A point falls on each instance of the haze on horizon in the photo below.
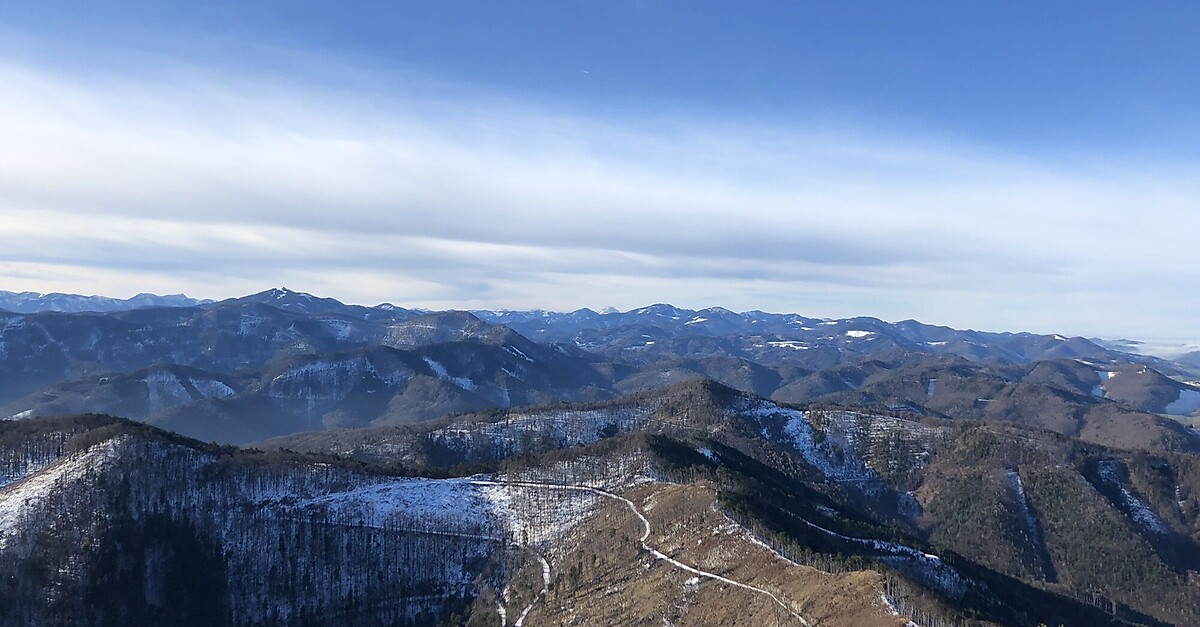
(1016, 167)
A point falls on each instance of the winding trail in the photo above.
(645, 536)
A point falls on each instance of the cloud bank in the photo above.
(451, 197)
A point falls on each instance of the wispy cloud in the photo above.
(217, 184)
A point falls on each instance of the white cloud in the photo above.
(218, 185)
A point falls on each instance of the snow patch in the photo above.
(534, 515)
(566, 428)
(165, 391)
(516, 352)
(319, 380)
(437, 368)
(798, 432)
(1104, 375)
(453, 506)
(927, 567)
(19, 500)
(930, 387)
(211, 388)
(1019, 488)
(440, 370)
(853, 333)
(1139, 510)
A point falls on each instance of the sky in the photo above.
(998, 166)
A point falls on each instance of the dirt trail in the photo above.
(646, 547)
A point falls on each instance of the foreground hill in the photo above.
(1031, 511)
(129, 525)
(695, 504)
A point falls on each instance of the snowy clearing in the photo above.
(17, 501)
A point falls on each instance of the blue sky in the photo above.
(999, 166)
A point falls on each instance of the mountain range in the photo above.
(282, 458)
(280, 362)
(33, 302)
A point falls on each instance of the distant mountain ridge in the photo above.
(279, 362)
(35, 302)
(865, 334)
(771, 338)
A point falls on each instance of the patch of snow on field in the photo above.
(211, 388)
(165, 391)
(18, 500)
(437, 368)
(534, 515)
(1023, 503)
(564, 427)
(836, 465)
(837, 443)
(454, 506)
(319, 380)
(440, 370)
(853, 333)
(516, 352)
(1139, 510)
(1105, 375)
(929, 567)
